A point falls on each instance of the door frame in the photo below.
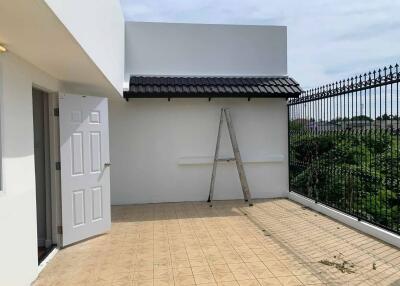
(55, 175)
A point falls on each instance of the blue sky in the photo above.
(327, 40)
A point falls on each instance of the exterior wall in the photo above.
(100, 31)
(162, 151)
(18, 239)
(193, 49)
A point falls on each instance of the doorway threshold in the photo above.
(46, 258)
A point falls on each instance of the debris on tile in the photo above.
(340, 264)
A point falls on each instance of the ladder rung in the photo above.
(226, 159)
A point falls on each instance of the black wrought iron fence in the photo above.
(344, 146)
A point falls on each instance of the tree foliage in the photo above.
(357, 172)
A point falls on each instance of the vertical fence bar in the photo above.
(397, 146)
(370, 140)
(288, 147)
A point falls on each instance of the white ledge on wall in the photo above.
(351, 221)
(208, 160)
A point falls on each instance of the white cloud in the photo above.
(327, 40)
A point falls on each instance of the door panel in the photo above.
(85, 174)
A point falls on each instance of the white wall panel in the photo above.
(18, 239)
(99, 28)
(193, 49)
(149, 138)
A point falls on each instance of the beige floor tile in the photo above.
(309, 279)
(221, 268)
(185, 280)
(261, 273)
(255, 265)
(300, 270)
(201, 269)
(249, 283)
(163, 273)
(230, 283)
(243, 274)
(143, 275)
(143, 267)
(289, 281)
(237, 266)
(164, 282)
(204, 278)
(180, 263)
(274, 263)
(270, 282)
(224, 276)
(182, 271)
(185, 243)
(120, 283)
(162, 262)
(280, 271)
(267, 257)
(198, 262)
(123, 276)
(143, 283)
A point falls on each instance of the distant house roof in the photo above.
(208, 87)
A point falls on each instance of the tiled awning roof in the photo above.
(208, 87)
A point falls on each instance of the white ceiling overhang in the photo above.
(31, 30)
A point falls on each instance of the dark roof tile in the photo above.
(172, 86)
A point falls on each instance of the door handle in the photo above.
(107, 165)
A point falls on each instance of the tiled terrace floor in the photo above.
(193, 244)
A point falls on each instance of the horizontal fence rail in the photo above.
(344, 146)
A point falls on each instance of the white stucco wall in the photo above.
(193, 49)
(99, 27)
(18, 240)
(162, 151)
(158, 148)
(151, 141)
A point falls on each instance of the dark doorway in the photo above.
(42, 172)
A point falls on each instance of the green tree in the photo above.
(362, 118)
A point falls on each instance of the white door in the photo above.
(85, 172)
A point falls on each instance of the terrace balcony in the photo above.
(275, 242)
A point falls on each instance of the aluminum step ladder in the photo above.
(238, 159)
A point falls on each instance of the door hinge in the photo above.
(58, 166)
(56, 112)
(60, 229)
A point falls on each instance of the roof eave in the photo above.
(132, 95)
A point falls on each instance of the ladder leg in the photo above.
(214, 170)
(238, 158)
